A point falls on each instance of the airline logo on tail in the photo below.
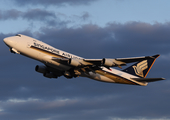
(140, 67)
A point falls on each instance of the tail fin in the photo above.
(141, 68)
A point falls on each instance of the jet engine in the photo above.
(13, 50)
(41, 69)
(108, 62)
(46, 73)
(74, 62)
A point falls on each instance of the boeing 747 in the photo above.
(59, 63)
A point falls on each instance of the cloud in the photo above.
(84, 16)
(49, 18)
(44, 17)
(53, 2)
(143, 37)
(31, 14)
(38, 14)
(10, 14)
(115, 103)
(26, 94)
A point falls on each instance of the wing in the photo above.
(136, 59)
(117, 62)
(86, 65)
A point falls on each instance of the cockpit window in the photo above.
(18, 35)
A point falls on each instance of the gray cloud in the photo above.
(48, 18)
(85, 16)
(38, 14)
(26, 94)
(10, 14)
(32, 14)
(53, 2)
(145, 38)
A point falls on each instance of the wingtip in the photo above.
(156, 56)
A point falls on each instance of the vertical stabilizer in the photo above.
(141, 68)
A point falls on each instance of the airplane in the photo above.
(60, 63)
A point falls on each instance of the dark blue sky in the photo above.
(27, 95)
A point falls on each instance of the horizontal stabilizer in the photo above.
(148, 79)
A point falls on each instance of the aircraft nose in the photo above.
(6, 40)
(9, 42)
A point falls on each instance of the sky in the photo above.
(90, 29)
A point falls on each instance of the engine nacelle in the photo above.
(41, 69)
(108, 62)
(13, 50)
(67, 74)
(74, 62)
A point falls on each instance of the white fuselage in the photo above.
(42, 52)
